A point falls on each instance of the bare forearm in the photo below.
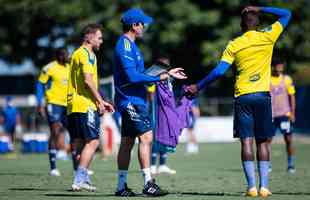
(293, 104)
(94, 91)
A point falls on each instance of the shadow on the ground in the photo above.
(207, 193)
(29, 189)
(20, 174)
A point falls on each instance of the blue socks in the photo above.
(75, 161)
(52, 158)
(290, 161)
(162, 158)
(153, 158)
(249, 171)
(263, 167)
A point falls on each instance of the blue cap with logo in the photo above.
(136, 15)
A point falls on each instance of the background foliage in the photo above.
(192, 33)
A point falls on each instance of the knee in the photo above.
(93, 143)
(146, 138)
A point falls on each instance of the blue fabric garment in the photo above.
(284, 14)
(39, 92)
(9, 113)
(171, 117)
(136, 15)
(217, 72)
(129, 77)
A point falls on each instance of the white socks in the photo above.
(146, 173)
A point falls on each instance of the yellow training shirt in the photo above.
(55, 78)
(80, 99)
(276, 80)
(252, 53)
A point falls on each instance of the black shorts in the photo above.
(283, 124)
(252, 116)
(84, 126)
(135, 121)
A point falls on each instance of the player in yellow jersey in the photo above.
(251, 52)
(85, 104)
(52, 82)
(283, 108)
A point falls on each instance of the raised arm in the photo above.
(284, 14)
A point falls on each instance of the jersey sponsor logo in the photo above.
(127, 45)
(254, 78)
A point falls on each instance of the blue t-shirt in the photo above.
(130, 80)
(9, 114)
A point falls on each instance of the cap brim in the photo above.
(147, 19)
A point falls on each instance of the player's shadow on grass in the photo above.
(236, 194)
(207, 194)
(292, 193)
(20, 174)
(79, 195)
(29, 189)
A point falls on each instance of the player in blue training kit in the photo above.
(130, 99)
(10, 119)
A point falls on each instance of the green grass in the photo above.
(213, 174)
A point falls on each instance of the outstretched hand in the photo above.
(250, 8)
(177, 73)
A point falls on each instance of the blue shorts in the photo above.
(252, 116)
(84, 126)
(9, 128)
(56, 113)
(135, 121)
(283, 124)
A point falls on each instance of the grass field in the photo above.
(215, 173)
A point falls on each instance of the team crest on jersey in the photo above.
(127, 45)
(254, 77)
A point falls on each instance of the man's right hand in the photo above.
(104, 106)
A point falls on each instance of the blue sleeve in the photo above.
(217, 72)
(137, 77)
(284, 14)
(39, 92)
(129, 65)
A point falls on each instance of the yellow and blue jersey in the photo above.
(80, 99)
(55, 78)
(252, 53)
